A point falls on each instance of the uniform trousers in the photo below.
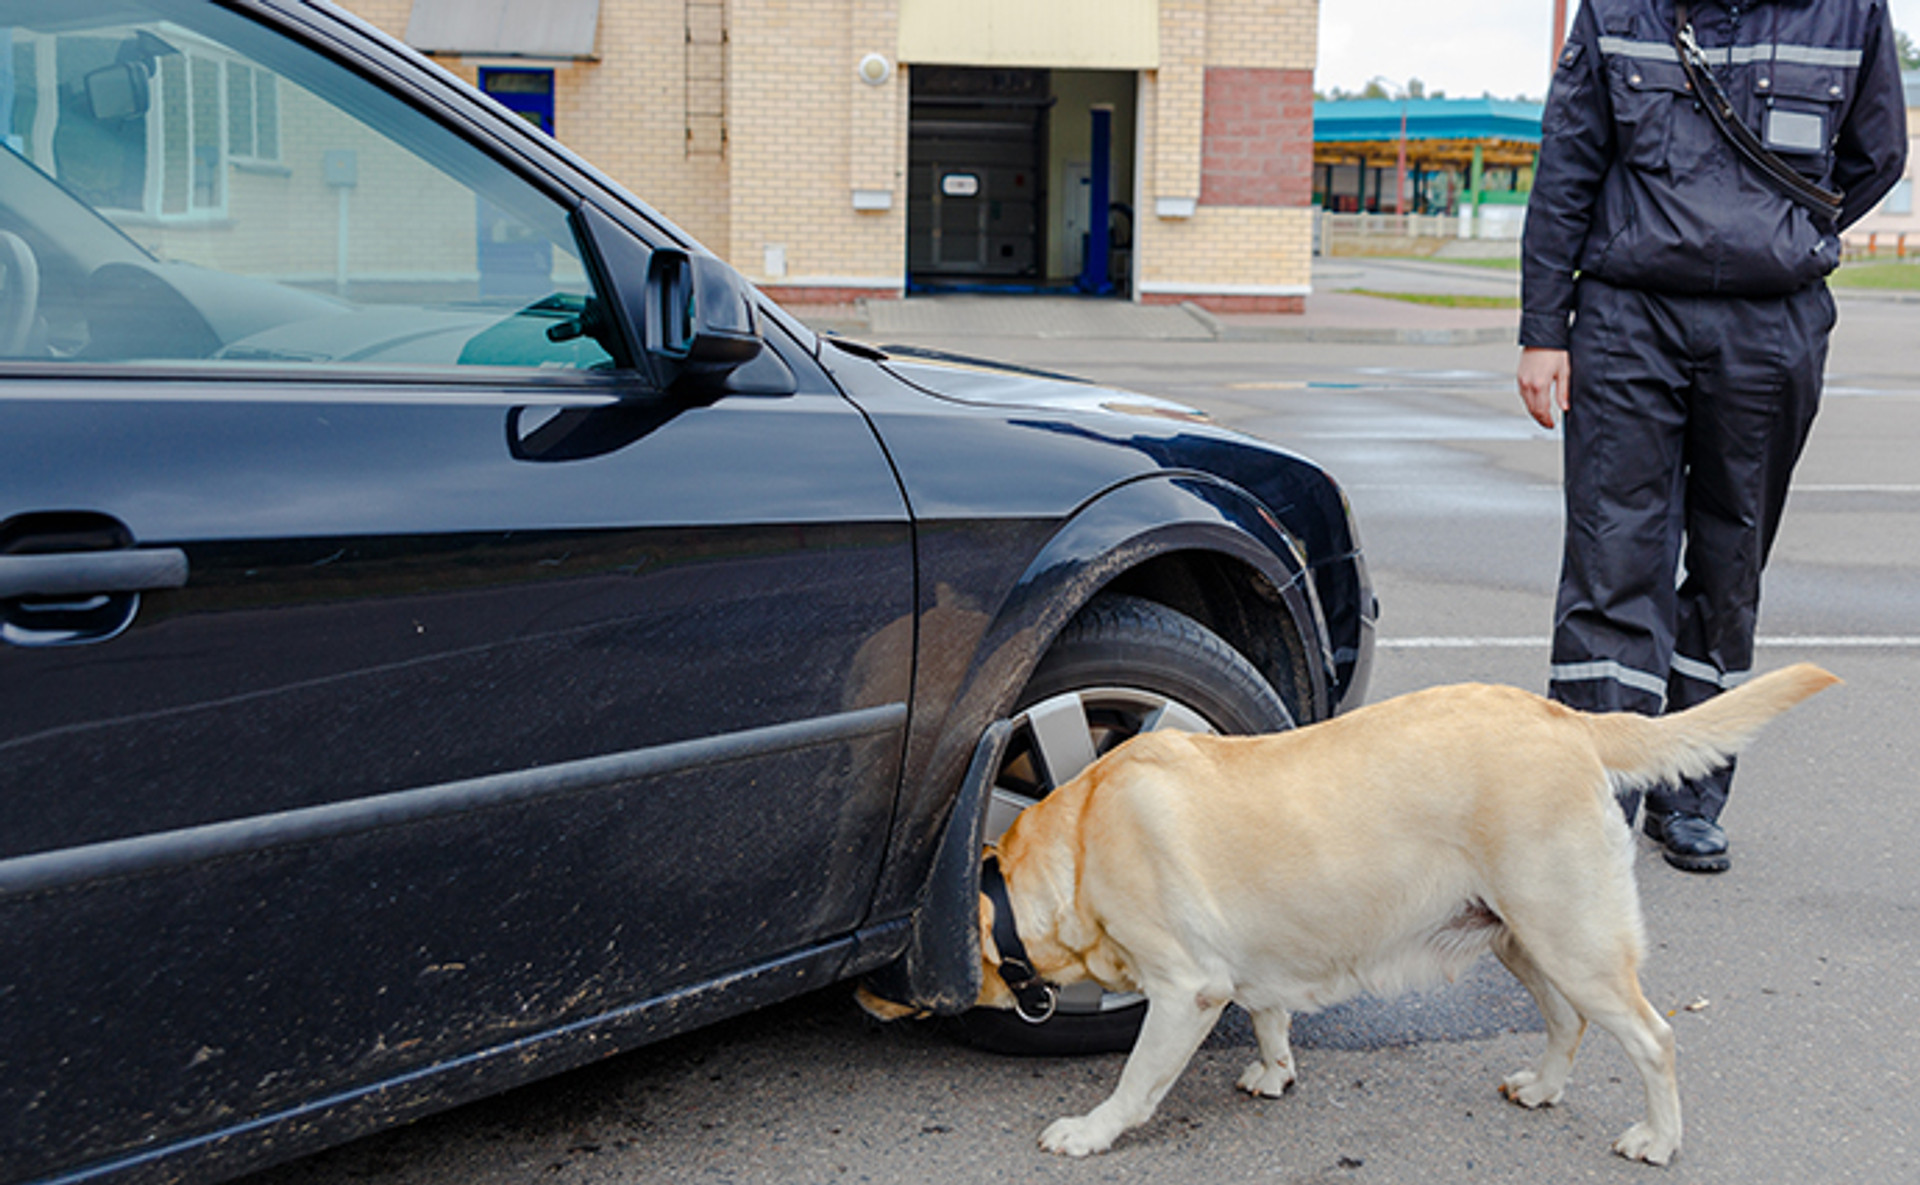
(1687, 416)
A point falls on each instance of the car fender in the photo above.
(1157, 515)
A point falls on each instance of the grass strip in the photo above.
(1885, 275)
(1444, 300)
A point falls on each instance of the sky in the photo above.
(1463, 47)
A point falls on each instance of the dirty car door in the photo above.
(349, 724)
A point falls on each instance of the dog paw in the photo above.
(1531, 1091)
(1262, 1080)
(1077, 1137)
(1642, 1142)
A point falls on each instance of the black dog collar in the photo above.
(1034, 998)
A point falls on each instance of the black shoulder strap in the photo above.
(1720, 111)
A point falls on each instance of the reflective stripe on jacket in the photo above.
(1637, 187)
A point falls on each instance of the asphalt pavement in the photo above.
(1792, 981)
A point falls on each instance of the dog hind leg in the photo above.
(1176, 1024)
(1273, 1073)
(1543, 1084)
(1649, 1043)
(1609, 996)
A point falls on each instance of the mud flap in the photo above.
(940, 971)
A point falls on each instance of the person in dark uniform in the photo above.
(1675, 310)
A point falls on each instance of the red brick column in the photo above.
(1257, 147)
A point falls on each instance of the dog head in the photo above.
(1008, 976)
(1042, 939)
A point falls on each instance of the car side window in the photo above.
(179, 183)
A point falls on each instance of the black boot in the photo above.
(1692, 843)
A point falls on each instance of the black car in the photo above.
(453, 628)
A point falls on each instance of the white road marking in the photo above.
(1801, 641)
(1857, 489)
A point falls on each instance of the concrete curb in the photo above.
(1875, 295)
(1234, 330)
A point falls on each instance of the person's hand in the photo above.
(1543, 383)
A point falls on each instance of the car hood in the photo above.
(965, 379)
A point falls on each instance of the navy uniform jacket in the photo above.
(1635, 185)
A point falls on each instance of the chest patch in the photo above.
(1795, 131)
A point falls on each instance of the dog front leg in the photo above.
(1176, 1024)
(1273, 1073)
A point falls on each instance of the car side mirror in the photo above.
(699, 311)
(689, 316)
(703, 314)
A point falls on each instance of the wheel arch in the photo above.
(1203, 548)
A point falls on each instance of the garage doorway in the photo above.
(1002, 179)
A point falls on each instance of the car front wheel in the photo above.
(1122, 667)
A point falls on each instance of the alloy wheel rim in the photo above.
(1055, 739)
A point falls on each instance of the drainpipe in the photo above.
(1559, 35)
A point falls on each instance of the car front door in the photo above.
(389, 670)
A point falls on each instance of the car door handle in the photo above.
(91, 573)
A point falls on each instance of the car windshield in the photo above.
(177, 182)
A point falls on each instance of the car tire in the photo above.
(1121, 667)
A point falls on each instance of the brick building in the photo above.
(837, 149)
(1894, 225)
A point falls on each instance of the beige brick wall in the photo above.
(390, 15)
(1225, 256)
(803, 134)
(1231, 250)
(1263, 34)
(807, 133)
(625, 112)
(1178, 100)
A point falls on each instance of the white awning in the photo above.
(1062, 34)
(505, 28)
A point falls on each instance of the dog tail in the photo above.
(1642, 750)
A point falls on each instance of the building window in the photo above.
(1900, 198)
(187, 100)
(526, 93)
(259, 205)
(149, 130)
(253, 114)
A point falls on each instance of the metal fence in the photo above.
(1361, 234)
(1904, 245)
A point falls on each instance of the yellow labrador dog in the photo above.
(1371, 853)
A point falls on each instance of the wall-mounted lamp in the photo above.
(874, 69)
